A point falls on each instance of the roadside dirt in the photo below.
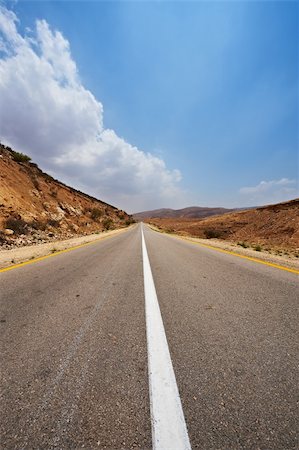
(272, 229)
(289, 261)
(31, 252)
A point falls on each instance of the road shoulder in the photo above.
(232, 248)
(19, 255)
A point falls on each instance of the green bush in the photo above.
(20, 157)
(169, 230)
(210, 234)
(19, 226)
(243, 244)
(37, 225)
(107, 223)
(96, 213)
(257, 248)
(48, 177)
(129, 221)
(53, 223)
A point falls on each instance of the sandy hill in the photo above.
(272, 226)
(34, 207)
(194, 212)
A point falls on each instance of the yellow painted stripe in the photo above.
(58, 252)
(250, 258)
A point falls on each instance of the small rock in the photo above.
(8, 231)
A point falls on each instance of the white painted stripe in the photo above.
(169, 430)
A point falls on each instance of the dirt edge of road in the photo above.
(288, 263)
(31, 252)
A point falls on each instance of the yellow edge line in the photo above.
(250, 258)
(59, 252)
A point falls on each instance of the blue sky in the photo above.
(209, 88)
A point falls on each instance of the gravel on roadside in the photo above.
(31, 252)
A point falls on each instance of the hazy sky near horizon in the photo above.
(155, 104)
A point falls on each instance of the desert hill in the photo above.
(192, 212)
(34, 207)
(268, 227)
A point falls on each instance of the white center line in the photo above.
(169, 430)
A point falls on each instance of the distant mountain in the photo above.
(192, 212)
(271, 226)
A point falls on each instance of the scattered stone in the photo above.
(8, 232)
(47, 202)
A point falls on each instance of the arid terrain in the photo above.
(270, 228)
(192, 212)
(36, 208)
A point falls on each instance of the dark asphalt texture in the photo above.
(74, 352)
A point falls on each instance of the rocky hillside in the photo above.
(274, 227)
(192, 212)
(34, 207)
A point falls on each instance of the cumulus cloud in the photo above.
(271, 191)
(48, 113)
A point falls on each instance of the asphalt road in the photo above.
(74, 370)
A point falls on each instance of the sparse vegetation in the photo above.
(35, 183)
(37, 225)
(212, 234)
(169, 230)
(96, 213)
(20, 157)
(243, 244)
(19, 226)
(42, 208)
(48, 177)
(129, 221)
(272, 227)
(107, 223)
(257, 248)
(53, 223)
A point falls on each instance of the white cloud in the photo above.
(271, 191)
(47, 113)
